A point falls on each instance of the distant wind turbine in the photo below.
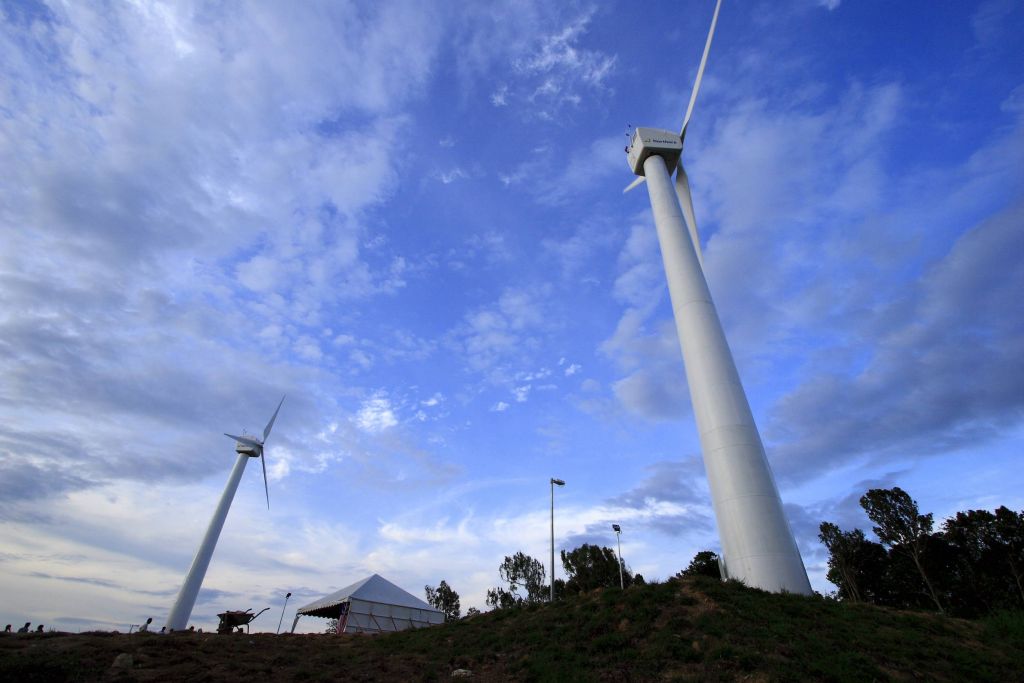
(758, 547)
(246, 447)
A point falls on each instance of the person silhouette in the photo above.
(24, 629)
(39, 629)
(7, 629)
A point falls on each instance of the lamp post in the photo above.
(554, 482)
(618, 537)
(287, 595)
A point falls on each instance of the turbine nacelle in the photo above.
(251, 451)
(247, 446)
(253, 447)
(649, 142)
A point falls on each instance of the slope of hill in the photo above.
(694, 629)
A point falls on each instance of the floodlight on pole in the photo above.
(287, 595)
(554, 482)
(618, 537)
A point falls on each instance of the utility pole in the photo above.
(554, 482)
(288, 595)
(618, 537)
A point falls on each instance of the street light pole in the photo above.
(554, 482)
(618, 537)
(282, 612)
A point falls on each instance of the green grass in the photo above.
(692, 630)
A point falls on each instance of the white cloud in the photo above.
(557, 183)
(499, 407)
(521, 394)
(641, 280)
(551, 69)
(648, 393)
(262, 274)
(532, 376)
(360, 358)
(308, 348)
(573, 369)
(564, 68)
(376, 415)
(508, 179)
(1014, 103)
(991, 20)
(499, 98)
(491, 246)
(449, 177)
(441, 532)
(520, 308)
(495, 335)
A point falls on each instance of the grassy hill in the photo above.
(695, 629)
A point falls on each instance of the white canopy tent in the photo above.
(373, 605)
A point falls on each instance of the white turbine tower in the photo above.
(246, 447)
(758, 547)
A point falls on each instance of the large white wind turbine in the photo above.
(758, 547)
(246, 447)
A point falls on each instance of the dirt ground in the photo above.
(210, 657)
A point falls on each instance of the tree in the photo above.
(518, 571)
(704, 563)
(589, 566)
(900, 526)
(1009, 530)
(841, 568)
(855, 565)
(472, 612)
(444, 599)
(499, 598)
(332, 627)
(985, 561)
(903, 587)
(978, 577)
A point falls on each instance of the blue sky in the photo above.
(408, 217)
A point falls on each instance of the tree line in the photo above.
(586, 568)
(972, 566)
(525, 580)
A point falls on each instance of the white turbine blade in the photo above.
(266, 488)
(244, 439)
(700, 70)
(638, 181)
(686, 203)
(270, 425)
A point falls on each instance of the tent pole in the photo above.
(346, 607)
